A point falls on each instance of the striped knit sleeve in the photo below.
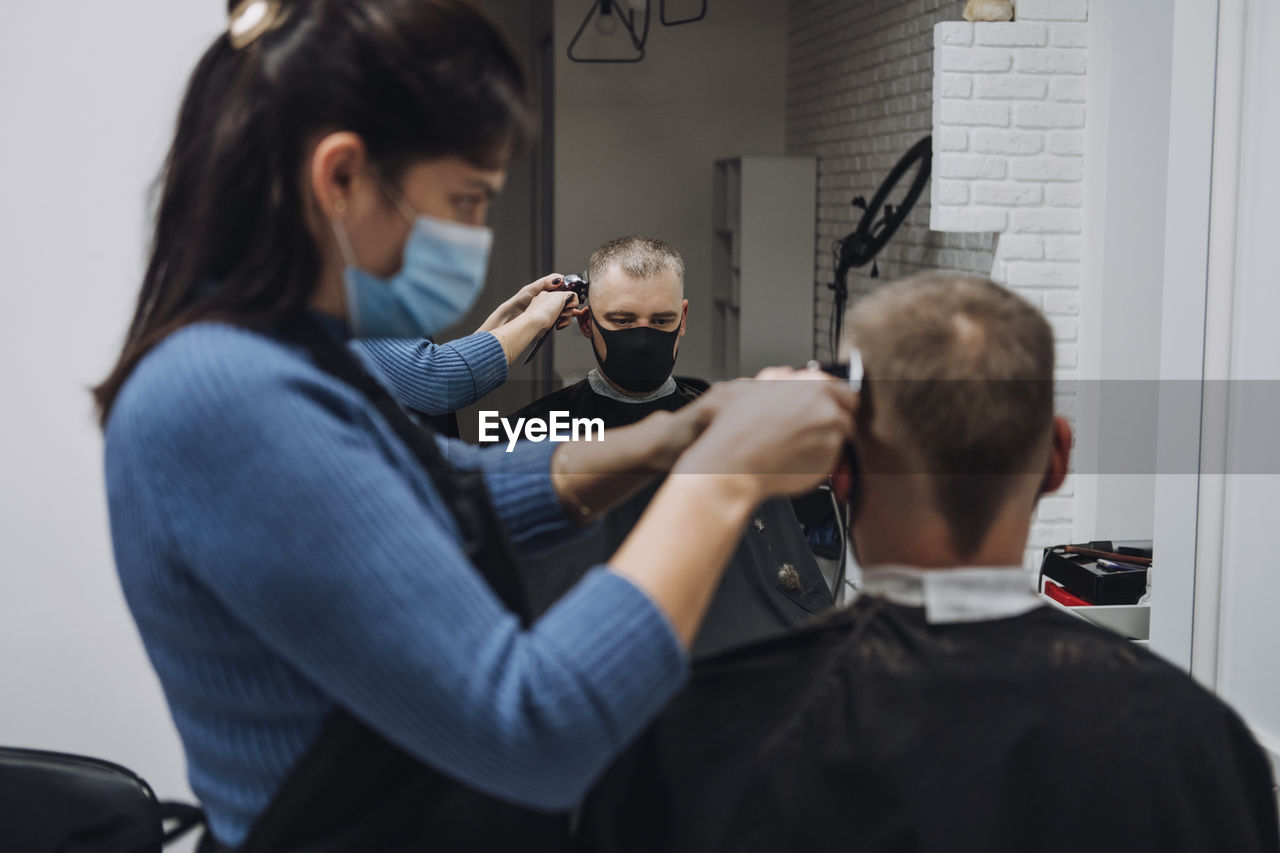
(519, 484)
(436, 378)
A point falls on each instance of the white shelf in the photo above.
(1131, 621)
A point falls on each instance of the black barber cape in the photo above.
(772, 582)
(877, 731)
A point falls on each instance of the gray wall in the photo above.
(635, 145)
(514, 213)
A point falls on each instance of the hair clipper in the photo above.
(844, 480)
(579, 288)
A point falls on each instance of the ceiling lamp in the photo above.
(631, 16)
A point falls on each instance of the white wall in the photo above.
(1214, 601)
(1182, 334)
(1126, 176)
(88, 93)
(635, 145)
(1235, 649)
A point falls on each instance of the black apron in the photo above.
(355, 792)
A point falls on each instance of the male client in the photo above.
(946, 709)
(637, 314)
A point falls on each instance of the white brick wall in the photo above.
(860, 93)
(1009, 113)
(1006, 106)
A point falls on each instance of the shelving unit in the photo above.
(1132, 621)
(763, 238)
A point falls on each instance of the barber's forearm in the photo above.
(503, 314)
(592, 477)
(516, 335)
(678, 550)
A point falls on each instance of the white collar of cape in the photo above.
(601, 386)
(962, 594)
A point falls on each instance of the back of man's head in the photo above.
(959, 388)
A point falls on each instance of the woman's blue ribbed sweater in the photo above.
(283, 554)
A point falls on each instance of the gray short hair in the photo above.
(637, 256)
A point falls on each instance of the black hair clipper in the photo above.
(844, 480)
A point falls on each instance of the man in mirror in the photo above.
(635, 318)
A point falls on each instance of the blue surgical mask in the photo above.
(439, 280)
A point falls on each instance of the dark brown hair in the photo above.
(414, 79)
(961, 370)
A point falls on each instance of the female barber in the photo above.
(324, 590)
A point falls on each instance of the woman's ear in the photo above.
(338, 165)
(1059, 456)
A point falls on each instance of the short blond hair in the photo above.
(959, 375)
(637, 256)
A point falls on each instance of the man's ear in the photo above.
(1059, 456)
(584, 323)
(684, 316)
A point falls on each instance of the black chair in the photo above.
(51, 802)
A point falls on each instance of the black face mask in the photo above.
(639, 359)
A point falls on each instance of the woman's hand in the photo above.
(537, 308)
(666, 435)
(518, 304)
(551, 307)
(818, 417)
(775, 435)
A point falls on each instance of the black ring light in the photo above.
(874, 231)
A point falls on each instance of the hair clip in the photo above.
(251, 18)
